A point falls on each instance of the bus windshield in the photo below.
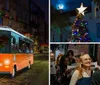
(4, 42)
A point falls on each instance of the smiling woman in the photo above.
(82, 74)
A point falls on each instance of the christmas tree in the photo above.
(79, 27)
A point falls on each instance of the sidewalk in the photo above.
(41, 56)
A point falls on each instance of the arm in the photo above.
(74, 78)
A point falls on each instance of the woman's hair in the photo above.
(62, 62)
(58, 58)
(70, 52)
(80, 66)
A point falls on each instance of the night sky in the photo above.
(43, 4)
(70, 4)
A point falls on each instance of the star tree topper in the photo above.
(81, 9)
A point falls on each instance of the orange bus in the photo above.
(16, 51)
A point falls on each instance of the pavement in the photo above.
(41, 56)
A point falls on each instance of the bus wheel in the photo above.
(29, 66)
(14, 72)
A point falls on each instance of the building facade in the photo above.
(25, 17)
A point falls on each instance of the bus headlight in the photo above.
(7, 62)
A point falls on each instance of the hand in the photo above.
(77, 60)
(68, 71)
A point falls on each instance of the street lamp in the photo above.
(60, 6)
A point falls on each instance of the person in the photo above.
(53, 78)
(70, 55)
(96, 77)
(58, 59)
(64, 71)
(27, 50)
(58, 65)
(82, 74)
(31, 50)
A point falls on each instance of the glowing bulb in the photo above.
(60, 6)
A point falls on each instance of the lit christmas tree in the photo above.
(79, 29)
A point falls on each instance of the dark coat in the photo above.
(96, 78)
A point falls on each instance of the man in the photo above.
(96, 77)
(52, 69)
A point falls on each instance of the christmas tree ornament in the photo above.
(86, 23)
(81, 9)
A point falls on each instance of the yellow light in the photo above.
(7, 62)
(6, 66)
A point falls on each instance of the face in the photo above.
(70, 56)
(86, 60)
(66, 61)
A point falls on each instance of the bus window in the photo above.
(14, 45)
(27, 47)
(4, 42)
(31, 48)
(23, 46)
(14, 41)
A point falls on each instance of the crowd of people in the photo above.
(82, 74)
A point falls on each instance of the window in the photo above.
(14, 45)
(25, 47)
(21, 46)
(4, 42)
